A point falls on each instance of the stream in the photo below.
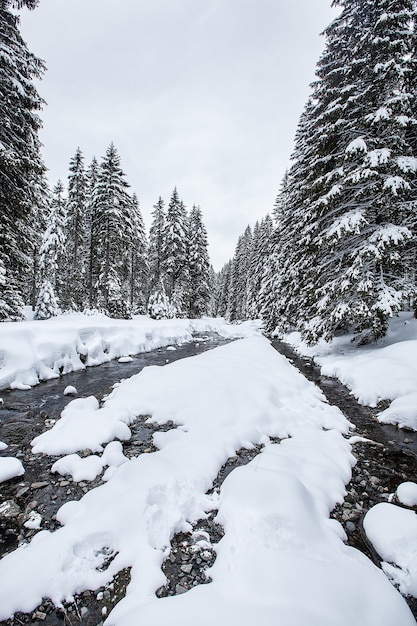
(25, 414)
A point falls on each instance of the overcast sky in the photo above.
(204, 95)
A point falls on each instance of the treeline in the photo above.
(342, 254)
(95, 253)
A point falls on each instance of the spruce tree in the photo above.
(175, 254)
(76, 248)
(199, 265)
(139, 264)
(52, 253)
(350, 202)
(240, 277)
(91, 259)
(156, 245)
(112, 235)
(21, 167)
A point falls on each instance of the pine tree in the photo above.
(75, 293)
(52, 253)
(240, 277)
(47, 304)
(260, 252)
(199, 265)
(222, 308)
(21, 167)
(11, 303)
(156, 245)
(91, 260)
(175, 257)
(112, 235)
(139, 264)
(351, 199)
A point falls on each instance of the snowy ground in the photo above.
(385, 371)
(281, 555)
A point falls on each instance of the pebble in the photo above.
(350, 527)
(39, 485)
(187, 568)
(180, 589)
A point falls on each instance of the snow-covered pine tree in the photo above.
(199, 265)
(91, 260)
(11, 303)
(159, 306)
(240, 276)
(222, 308)
(156, 244)
(112, 234)
(75, 296)
(175, 254)
(47, 304)
(139, 264)
(351, 191)
(21, 167)
(52, 253)
(260, 253)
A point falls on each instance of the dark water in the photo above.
(23, 413)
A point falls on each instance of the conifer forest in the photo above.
(337, 252)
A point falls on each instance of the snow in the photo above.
(280, 555)
(395, 183)
(407, 493)
(386, 370)
(32, 351)
(10, 467)
(357, 145)
(393, 532)
(3, 446)
(70, 391)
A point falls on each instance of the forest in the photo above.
(336, 255)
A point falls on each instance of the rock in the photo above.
(39, 615)
(186, 568)
(350, 527)
(39, 485)
(180, 589)
(9, 509)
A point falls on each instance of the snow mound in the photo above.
(407, 493)
(10, 467)
(392, 531)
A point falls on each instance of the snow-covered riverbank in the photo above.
(280, 555)
(32, 351)
(383, 371)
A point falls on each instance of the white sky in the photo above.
(201, 94)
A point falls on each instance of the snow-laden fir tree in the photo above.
(11, 303)
(139, 264)
(222, 304)
(52, 253)
(240, 277)
(350, 206)
(175, 254)
(75, 296)
(91, 261)
(199, 265)
(159, 305)
(260, 252)
(156, 244)
(47, 305)
(111, 236)
(21, 168)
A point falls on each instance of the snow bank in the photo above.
(384, 371)
(393, 533)
(280, 556)
(32, 351)
(10, 467)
